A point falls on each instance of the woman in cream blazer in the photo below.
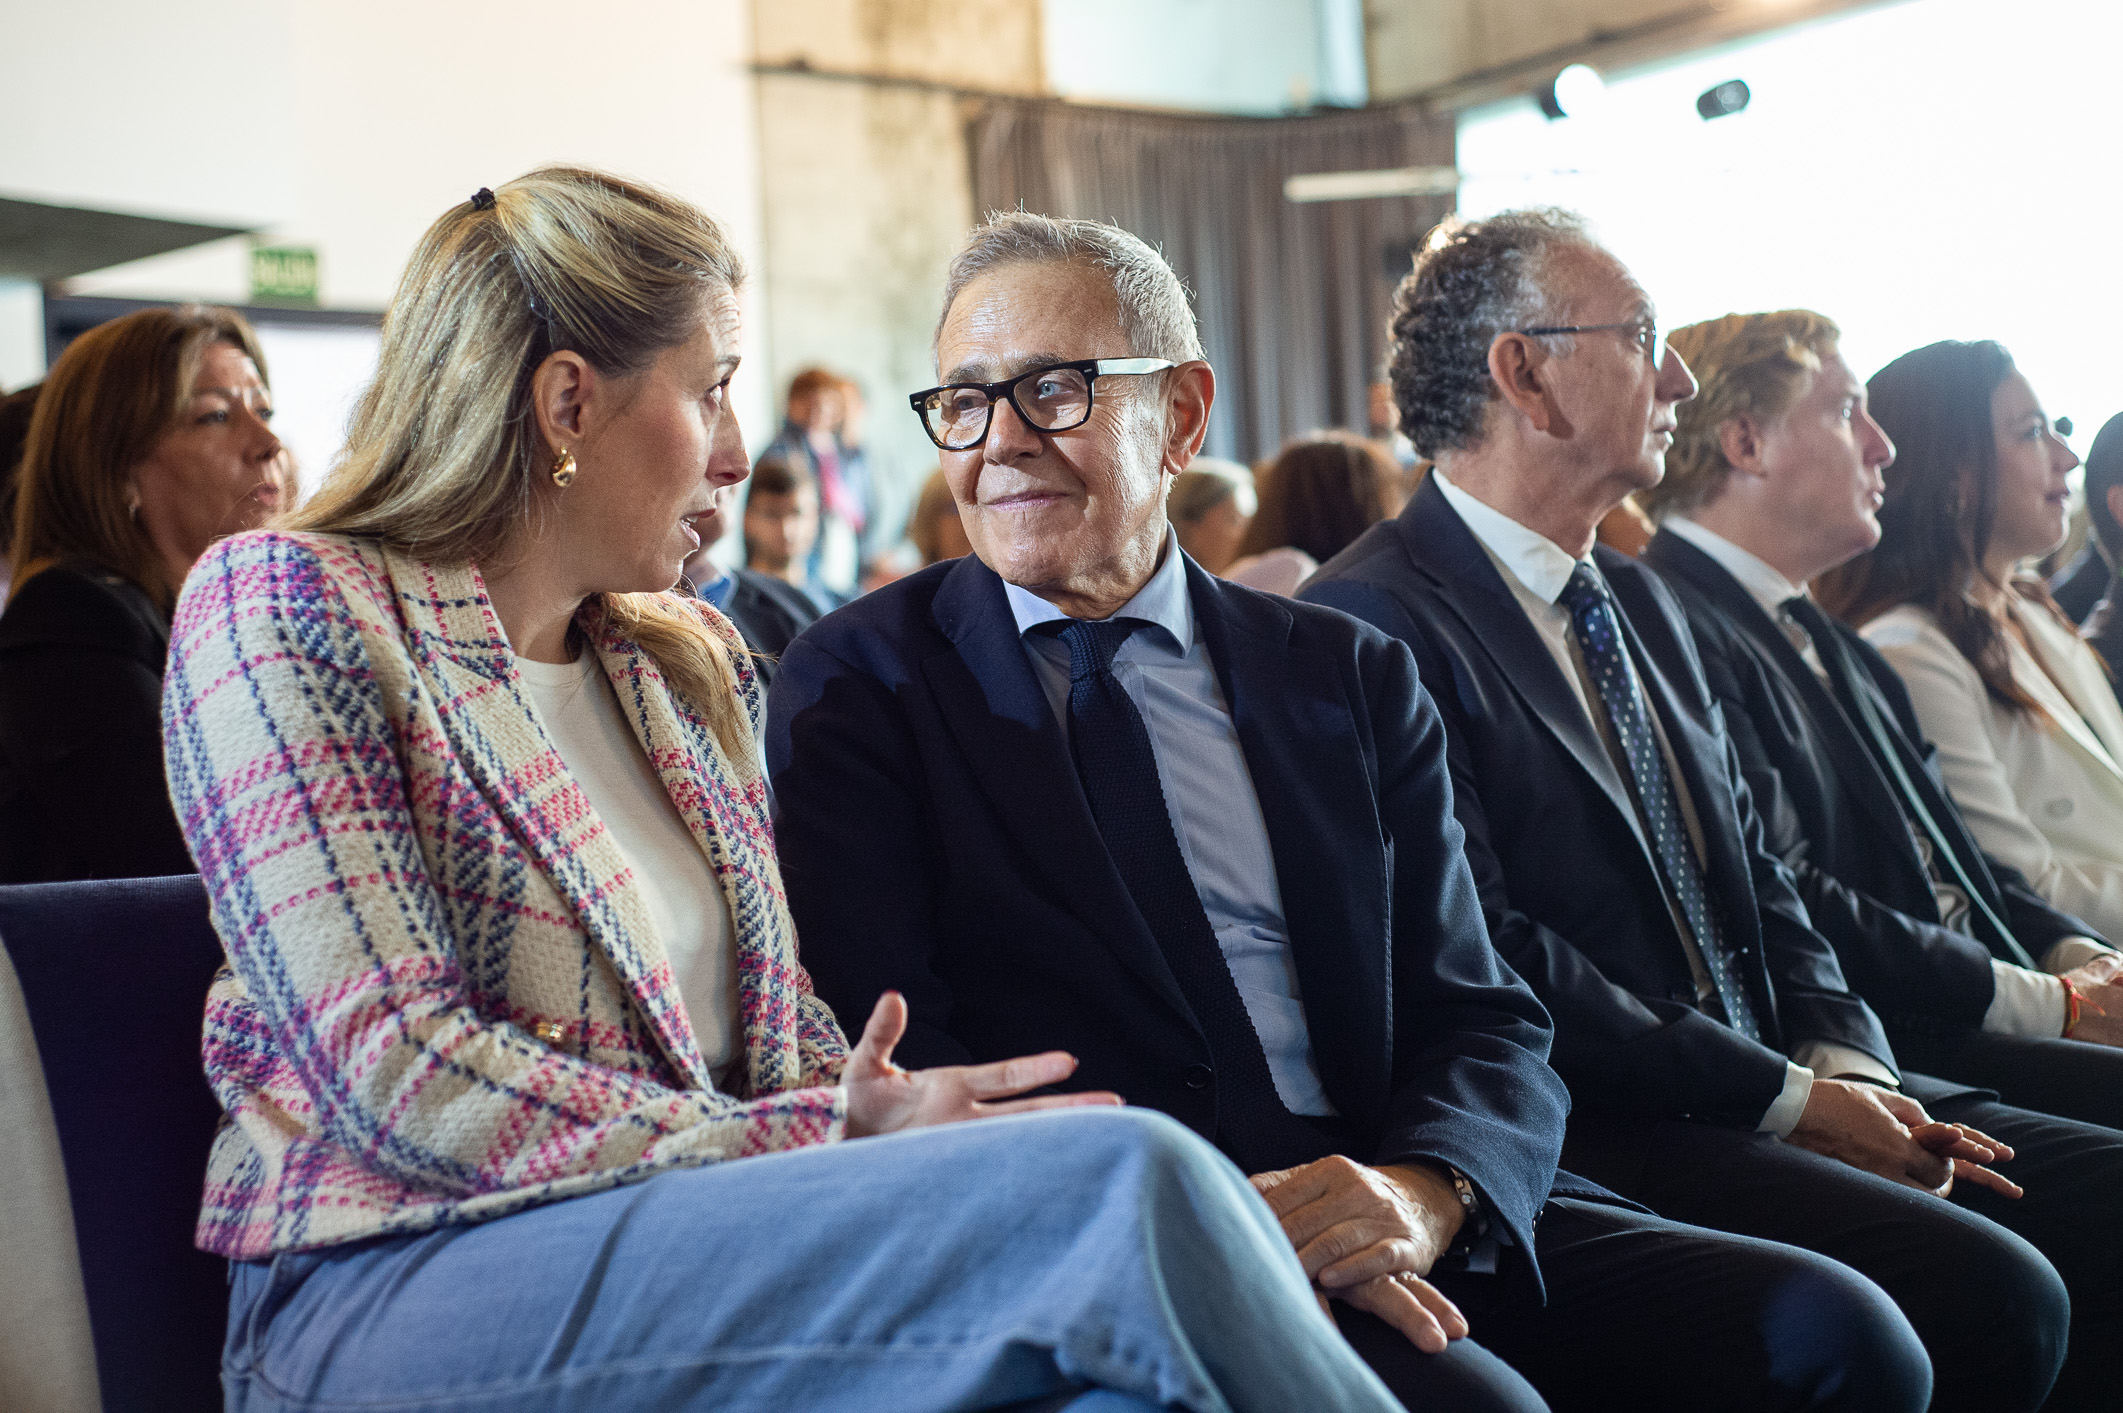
(2029, 736)
(480, 930)
(2042, 789)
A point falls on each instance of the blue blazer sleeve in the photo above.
(1471, 1083)
(852, 831)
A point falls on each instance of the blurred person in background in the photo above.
(810, 443)
(781, 527)
(1627, 528)
(768, 611)
(2028, 729)
(151, 439)
(934, 527)
(1316, 497)
(2104, 509)
(513, 999)
(1211, 504)
(15, 410)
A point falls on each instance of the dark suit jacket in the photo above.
(769, 613)
(935, 840)
(1572, 898)
(82, 793)
(1832, 814)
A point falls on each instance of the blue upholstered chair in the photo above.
(114, 976)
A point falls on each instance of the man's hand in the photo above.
(883, 1098)
(1887, 1133)
(2100, 1000)
(1369, 1235)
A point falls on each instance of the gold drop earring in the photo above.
(564, 469)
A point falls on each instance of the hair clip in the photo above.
(482, 200)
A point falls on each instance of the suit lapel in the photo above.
(1298, 733)
(1855, 768)
(1445, 551)
(457, 646)
(2053, 678)
(1019, 754)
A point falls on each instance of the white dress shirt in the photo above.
(1536, 570)
(1216, 816)
(2023, 1002)
(685, 899)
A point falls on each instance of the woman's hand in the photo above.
(883, 1098)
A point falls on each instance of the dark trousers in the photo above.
(1647, 1314)
(1983, 1278)
(2068, 1078)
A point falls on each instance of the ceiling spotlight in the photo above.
(1572, 93)
(1731, 96)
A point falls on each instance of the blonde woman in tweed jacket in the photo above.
(528, 1098)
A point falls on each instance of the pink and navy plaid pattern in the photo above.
(411, 892)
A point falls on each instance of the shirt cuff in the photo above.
(2070, 953)
(1783, 1115)
(1825, 1057)
(2028, 1004)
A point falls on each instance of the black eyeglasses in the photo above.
(1645, 334)
(1050, 399)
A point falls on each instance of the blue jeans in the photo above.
(968, 1267)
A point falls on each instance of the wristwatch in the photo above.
(1473, 1225)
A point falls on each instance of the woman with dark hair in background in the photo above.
(1316, 497)
(150, 440)
(2030, 737)
(530, 1102)
(2104, 511)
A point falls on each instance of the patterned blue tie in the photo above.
(1600, 640)
(1118, 767)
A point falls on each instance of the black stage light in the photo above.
(1731, 96)
(1572, 93)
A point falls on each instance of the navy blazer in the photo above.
(1833, 816)
(1572, 897)
(935, 840)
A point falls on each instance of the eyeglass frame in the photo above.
(1656, 352)
(1092, 368)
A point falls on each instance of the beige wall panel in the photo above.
(866, 197)
(988, 44)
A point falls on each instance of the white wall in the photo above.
(1218, 56)
(150, 108)
(1967, 189)
(21, 333)
(398, 108)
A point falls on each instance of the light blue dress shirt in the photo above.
(1166, 671)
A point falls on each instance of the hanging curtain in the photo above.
(1293, 299)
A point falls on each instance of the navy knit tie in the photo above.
(1118, 768)
(1600, 640)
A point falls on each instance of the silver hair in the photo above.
(1155, 315)
(1472, 281)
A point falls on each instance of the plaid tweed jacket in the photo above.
(444, 999)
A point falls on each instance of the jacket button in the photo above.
(1197, 1076)
(551, 1032)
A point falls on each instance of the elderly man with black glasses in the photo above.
(1073, 792)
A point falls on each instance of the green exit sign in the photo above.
(283, 274)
